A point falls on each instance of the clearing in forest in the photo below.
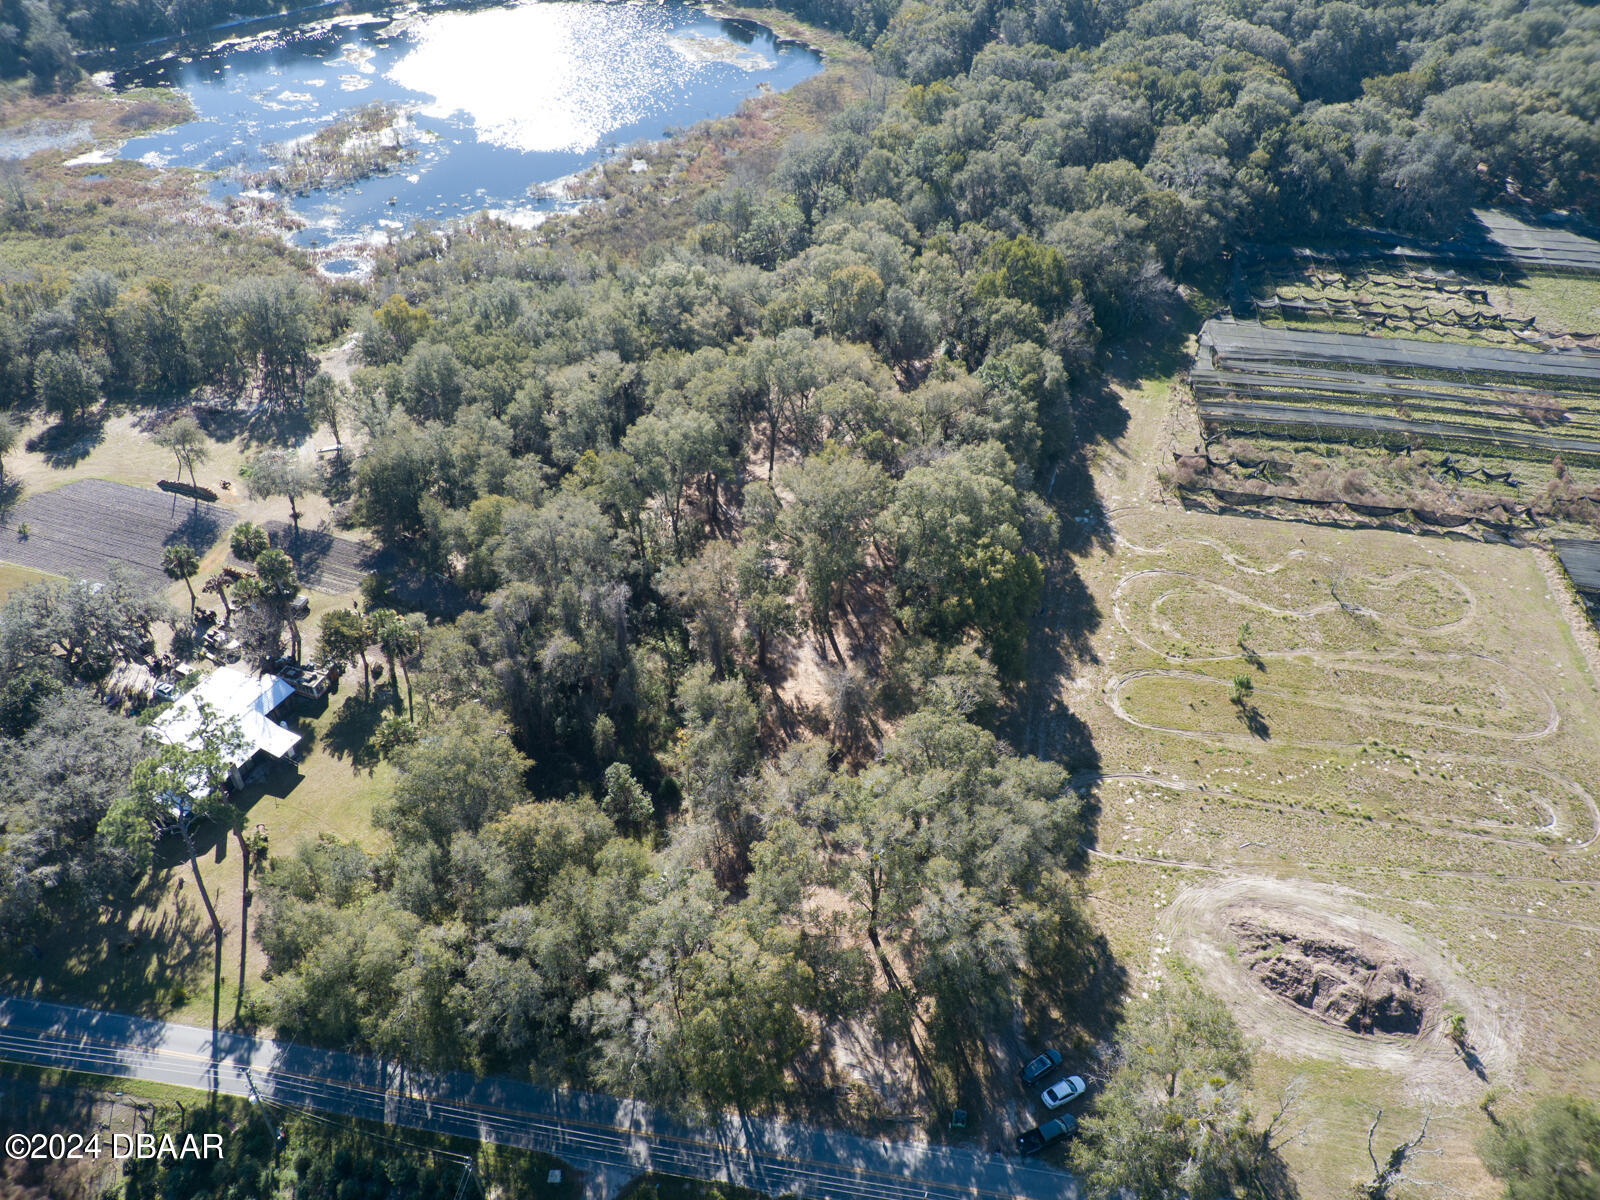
(1350, 775)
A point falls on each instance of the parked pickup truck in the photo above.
(1031, 1141)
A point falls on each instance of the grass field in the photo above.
(14, 577)
(120, 451)
(1416, 757)
(1556, 302)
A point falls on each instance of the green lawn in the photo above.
(13, 577)
(332, 791)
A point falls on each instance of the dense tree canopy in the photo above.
(823, 425)
(751, 523)
(59, 775)
(71, 343)
(76, 630)
(1549, 1153)
(1173, 1120)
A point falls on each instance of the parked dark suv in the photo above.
(1039, 1067)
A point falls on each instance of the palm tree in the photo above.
(410, 643)
(345, 638)
(383, 626)
(247, 541)
(397, 638)
(180, 561)
(219, 585)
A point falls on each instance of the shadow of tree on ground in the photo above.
(131, 954)
(349, 734)
(66, 444)
(32, 1104)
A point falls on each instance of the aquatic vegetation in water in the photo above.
(364, 142)
(487, 105)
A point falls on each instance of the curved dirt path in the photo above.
(1244, 600)
(1579, 833)
(1177, 609)
(1114, 687)
(1563, 823)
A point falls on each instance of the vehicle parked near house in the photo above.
(308, 681)
(1031, 1141)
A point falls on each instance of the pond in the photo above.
(460, 109)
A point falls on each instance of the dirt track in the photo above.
(1511, 707)
(1421, 797)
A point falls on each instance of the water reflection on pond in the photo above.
(491, 103)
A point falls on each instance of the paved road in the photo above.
(609, 1139)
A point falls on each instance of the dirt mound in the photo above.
(1312, 972)
(1366, 991)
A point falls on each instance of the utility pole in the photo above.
(261, 1105)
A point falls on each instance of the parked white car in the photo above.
(1063, 1091)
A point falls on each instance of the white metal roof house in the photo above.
(247, 701)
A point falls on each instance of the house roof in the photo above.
(232, 695)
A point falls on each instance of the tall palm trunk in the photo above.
(216, 929)
(245, 866)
